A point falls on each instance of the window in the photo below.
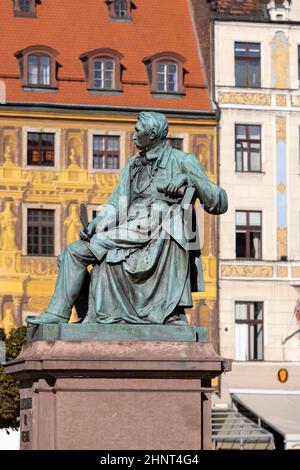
(120, 8)
(165, 72)
(104, 71)
(102, 68)
(247, 64)
(40, 232)
(249, 331)
(38, 66)
(25, 8)
(175, 142)
(106, 152)
(40, 148)
(24, 5)
(247, 148)
(39, 70)
(248, 234)
(167, 77)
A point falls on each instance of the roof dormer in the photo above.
(279, 11)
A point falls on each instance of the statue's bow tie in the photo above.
(143, 160)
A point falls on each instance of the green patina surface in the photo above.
(117, 332)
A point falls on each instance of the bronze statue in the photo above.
(144, 270)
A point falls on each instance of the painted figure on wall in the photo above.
(73, 224)
(7, 226)
(144, 266)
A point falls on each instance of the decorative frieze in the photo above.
(259, 99)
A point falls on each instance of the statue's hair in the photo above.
(156, 121)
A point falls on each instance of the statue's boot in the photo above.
(46, 318)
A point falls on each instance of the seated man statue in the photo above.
(137, 244)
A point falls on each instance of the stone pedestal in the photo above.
(116, 395)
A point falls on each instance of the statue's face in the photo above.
(143, 137)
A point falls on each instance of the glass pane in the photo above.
(241, 342)
(161, 67)
(256, 311)
(254, 245)
(33, 69)
(254, 218)
(253, 50)
(240, 218)
(240, 73)
(98, 162)
(240, 311)
(113, 143)
(240, 49)
(98, 142)
(255, 160)
(44, 70)
(254, 73)
(240, 243)
(240, 132)
(24, 5)
(109, 65)
(120, 8)
(256, 342)
(254, 132)
(239, 165)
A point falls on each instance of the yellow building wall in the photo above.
(27, 282)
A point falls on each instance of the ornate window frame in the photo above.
(31, 13)
(23, 58)
(88, 59)
(151, 63)
(57, 225)
(52, 130)
(122, 161)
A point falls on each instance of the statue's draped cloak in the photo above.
(143, 275)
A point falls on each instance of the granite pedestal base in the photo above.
(116, 395)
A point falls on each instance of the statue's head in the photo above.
(151, 129)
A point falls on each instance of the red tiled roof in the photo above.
(75, 27)
(243, 7)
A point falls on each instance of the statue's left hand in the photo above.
(174, 186)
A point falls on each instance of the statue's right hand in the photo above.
(86, 234)
(83, 235)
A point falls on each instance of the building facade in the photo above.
(256, 85)
(73, 78)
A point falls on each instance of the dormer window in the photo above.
(279, 11)
(102, 69)
(39, 70)
(25, 8)
(38, 67)
(165, 72)
(120, 10)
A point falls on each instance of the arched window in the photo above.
(165, 72)
(167, 77)
(38, 66)
(102, 69)
(39, 70)
(120, 8)
(25, 8)
(104, 73)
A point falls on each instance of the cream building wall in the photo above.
(275, 279)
